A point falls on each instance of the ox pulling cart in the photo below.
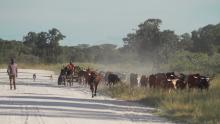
(67, 77)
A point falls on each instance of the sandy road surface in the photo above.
(43, 102)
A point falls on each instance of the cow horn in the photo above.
(195, 77)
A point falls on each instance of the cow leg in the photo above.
(86, 82)
(113, 83)
(71, 81)
(92, 89)
(83, 81)
(95, 90)
(79, 80)
(96, 85)
(64, 81)
(109, 84)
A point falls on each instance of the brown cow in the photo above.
(93, 81)
(176, 82)
(152, 81)
(167, 81)
(82, 76)
(157, 80)
(161, 80)
(86, 76)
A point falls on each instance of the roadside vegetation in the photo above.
(197, 107)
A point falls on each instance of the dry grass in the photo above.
(197, 107)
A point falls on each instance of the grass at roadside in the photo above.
(197, 107)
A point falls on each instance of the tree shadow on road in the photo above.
(48, 106)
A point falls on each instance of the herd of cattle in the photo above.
(172, 81)
(169, 80)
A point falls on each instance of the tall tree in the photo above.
(45, 44)
(54, 49)
(168, 45)
(146, 39)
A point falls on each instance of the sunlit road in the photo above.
(43, 102)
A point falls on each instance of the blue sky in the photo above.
(102, 21)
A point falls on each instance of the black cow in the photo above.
(113, 79)
(152, 81)
(143, 81)
(181, 83)
(204, 82)
(170, 75)
(197, 81)
(106, 77)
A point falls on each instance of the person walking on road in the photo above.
(12, 73)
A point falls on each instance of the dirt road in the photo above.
(43, 102)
